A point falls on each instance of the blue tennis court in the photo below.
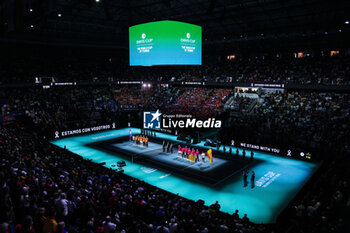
(277, 181)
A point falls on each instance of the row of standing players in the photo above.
(237, 151)
(148, 133)
(190, 154)
(184, 152)
(140, 140)
(169, 146)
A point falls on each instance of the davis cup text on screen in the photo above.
(165, 43)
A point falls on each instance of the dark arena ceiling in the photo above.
(239, 23)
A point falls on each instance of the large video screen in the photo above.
(165, 43)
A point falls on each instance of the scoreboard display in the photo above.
(165, 43)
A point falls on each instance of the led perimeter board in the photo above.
(165, 43)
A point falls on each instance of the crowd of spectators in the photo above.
(63, 108)
(239, 104)
(162, 98)
(132, 98)
(200, 102)
(190, 99)
(47, 189)
(325, 205)
(217, 97)
(308, 120)
(263, 69)
(59, 108)
(307, 70)
(80, 65)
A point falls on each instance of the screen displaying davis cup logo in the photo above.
(152, 120)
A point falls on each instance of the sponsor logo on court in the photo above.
(267, 179)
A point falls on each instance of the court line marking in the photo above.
(189, 166)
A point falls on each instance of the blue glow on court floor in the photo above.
(278, 179)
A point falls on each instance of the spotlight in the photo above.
(30, 10)
(97, 0)
(149, 85)
(31, 25)
(339, 30)
(59, 15)
(347, 22)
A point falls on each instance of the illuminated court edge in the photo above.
(278, 179)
